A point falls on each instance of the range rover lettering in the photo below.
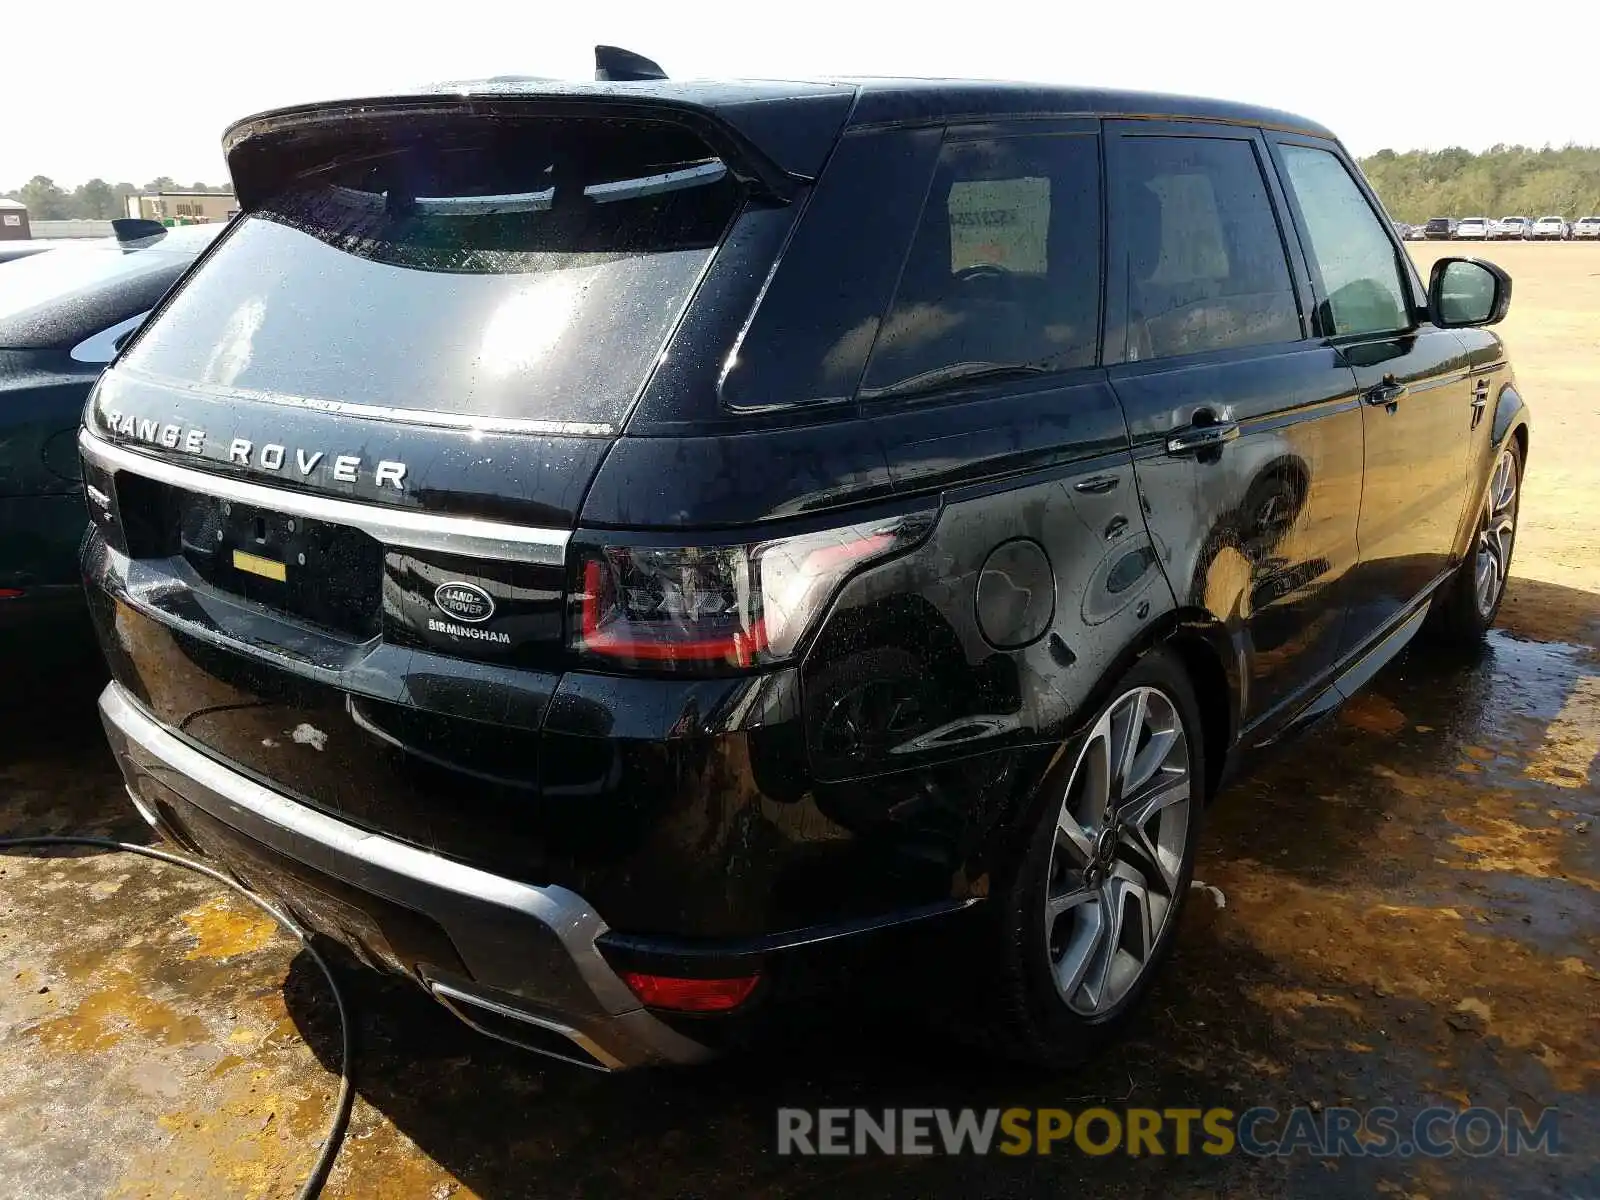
(831, 532)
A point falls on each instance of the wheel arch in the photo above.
(1511, 420)
(1205, 652)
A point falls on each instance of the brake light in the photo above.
(691, 995)
(742, 605)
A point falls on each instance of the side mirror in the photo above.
(1467, 291)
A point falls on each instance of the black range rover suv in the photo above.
(629, 555)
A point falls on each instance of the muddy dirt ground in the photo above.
(1412, 917)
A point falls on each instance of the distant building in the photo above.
(182, 208)
(13, 221)
(72, 228)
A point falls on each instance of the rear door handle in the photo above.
(1202, 437)
(1385, 393)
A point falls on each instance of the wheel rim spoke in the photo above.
(1074, 837)
(1128, 888)
(1127, 727)
(1136, 836)
(1063, 901)
(1097, 987)
(1171, 788)
(1079, 953)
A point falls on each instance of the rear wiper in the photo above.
(956, 375)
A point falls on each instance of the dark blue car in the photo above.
(63, 316)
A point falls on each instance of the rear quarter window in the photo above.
(1003, 272)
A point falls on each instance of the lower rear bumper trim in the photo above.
(479, 911)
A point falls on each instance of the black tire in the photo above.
(1456, 618)
(1025, 1016)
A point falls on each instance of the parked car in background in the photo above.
(1512, 229)
(1474, 229)
(1402, 230)
(1439, 228)
(745, 584)
(1551, 229)
(62, 317)
(1586, 229)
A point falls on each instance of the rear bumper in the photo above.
(507, 956)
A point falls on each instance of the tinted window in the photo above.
(1356, 261)
(1203, 254)
(472, 267)
(816, 323)
(60, 297)
(1004, 269)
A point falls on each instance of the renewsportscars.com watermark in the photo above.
(1263, 1132)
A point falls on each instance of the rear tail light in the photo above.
(691, 995)
(700, 607)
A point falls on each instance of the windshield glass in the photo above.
(530, 270)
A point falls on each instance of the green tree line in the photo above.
(96, 200)
(1414, 185)
(1500, 182)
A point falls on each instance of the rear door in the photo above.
(1246, 429)
(1417, 410)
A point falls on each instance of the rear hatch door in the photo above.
(443, 308)
(351, 443)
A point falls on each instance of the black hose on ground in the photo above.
(341, 1109)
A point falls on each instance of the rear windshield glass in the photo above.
(60, 296)
(476, 268)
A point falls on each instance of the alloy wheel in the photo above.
(1496, 531)
(1123, 828)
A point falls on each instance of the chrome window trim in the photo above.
(399, 527)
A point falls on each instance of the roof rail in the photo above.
(613, 63)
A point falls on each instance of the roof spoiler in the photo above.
(265, 151)
(136, 229)
(613, 64)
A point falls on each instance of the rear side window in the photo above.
(528, 269)
(1204, 257)
(1355, 260)
(1003, 273)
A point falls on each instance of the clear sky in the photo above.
(92, 87)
